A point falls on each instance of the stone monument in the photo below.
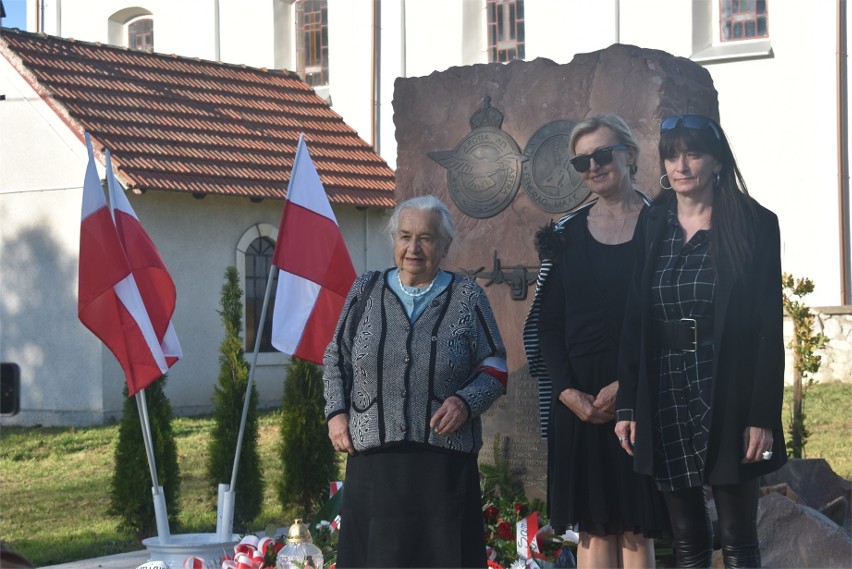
(492, 142)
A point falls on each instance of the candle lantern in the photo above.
(299, 552)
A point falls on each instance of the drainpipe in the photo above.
(842, 154)
(216, 31)
(376, 75)
(617, 21)
(402, 70)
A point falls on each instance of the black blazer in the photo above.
(748, 364)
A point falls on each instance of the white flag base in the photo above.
(160, 514)
(225, 513)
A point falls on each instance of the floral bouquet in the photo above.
(516, 530)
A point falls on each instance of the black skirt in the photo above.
(411, 506)
(591, 483)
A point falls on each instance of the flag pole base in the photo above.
(225, 512)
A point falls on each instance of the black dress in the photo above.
(591, 483)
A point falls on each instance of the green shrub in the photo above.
(806, 361)
(308, 459)
(130, 489)
(228, 400)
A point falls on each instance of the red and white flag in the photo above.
(110, 302)
(315, 271)
(153, 279)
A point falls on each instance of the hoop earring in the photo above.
(666, 176)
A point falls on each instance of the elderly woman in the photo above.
(576, 321)
(414, 362)
(702, 372)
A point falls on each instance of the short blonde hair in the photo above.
(617, 125)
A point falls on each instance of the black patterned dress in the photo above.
(683, 286)
(591, 483)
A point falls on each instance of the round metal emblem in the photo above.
(550, 181)
(483, 171)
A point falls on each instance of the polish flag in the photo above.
(110, 302)
(153, 279)
(315, 271)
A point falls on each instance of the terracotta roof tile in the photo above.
(188, 125)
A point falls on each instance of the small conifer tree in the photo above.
(228, 400)
(130, 489)
(806, 361)
(308, 459)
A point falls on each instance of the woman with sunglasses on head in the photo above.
(702, 370)
(571, 335)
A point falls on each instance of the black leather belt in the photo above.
(685, 334)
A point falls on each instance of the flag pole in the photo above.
(225, 513)
(160, 511)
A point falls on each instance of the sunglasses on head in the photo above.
(692, 122)
(602, 157)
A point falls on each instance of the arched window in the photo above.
(505, 30)
(258, 259)
(140, 34)
(132, 27)
(312, 41)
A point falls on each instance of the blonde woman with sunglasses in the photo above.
(572, 335)
(702, 371)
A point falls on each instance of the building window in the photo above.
(711, 43)
(312, 43)
(258, 259)
(140, 34)
(743, 19)
(505, 30)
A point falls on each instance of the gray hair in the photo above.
(617, 125)
(446, 230)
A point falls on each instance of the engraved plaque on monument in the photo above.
(483, 171)
(549, 179)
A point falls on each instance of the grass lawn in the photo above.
(54, 482)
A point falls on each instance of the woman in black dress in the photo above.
(578, 312)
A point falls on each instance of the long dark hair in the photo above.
(734, 211)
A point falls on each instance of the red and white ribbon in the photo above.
(526, 531)
(496, 368)
(194, 563)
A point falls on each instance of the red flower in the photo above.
(520, 509)
(494, 565)
(491, 512)
(504, 530)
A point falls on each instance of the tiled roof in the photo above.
(188, 125)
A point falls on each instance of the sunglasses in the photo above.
(692, 122)
(602, 157)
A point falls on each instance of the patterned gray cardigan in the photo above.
(392, 375)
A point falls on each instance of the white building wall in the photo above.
(351, 63)
(772, 107)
